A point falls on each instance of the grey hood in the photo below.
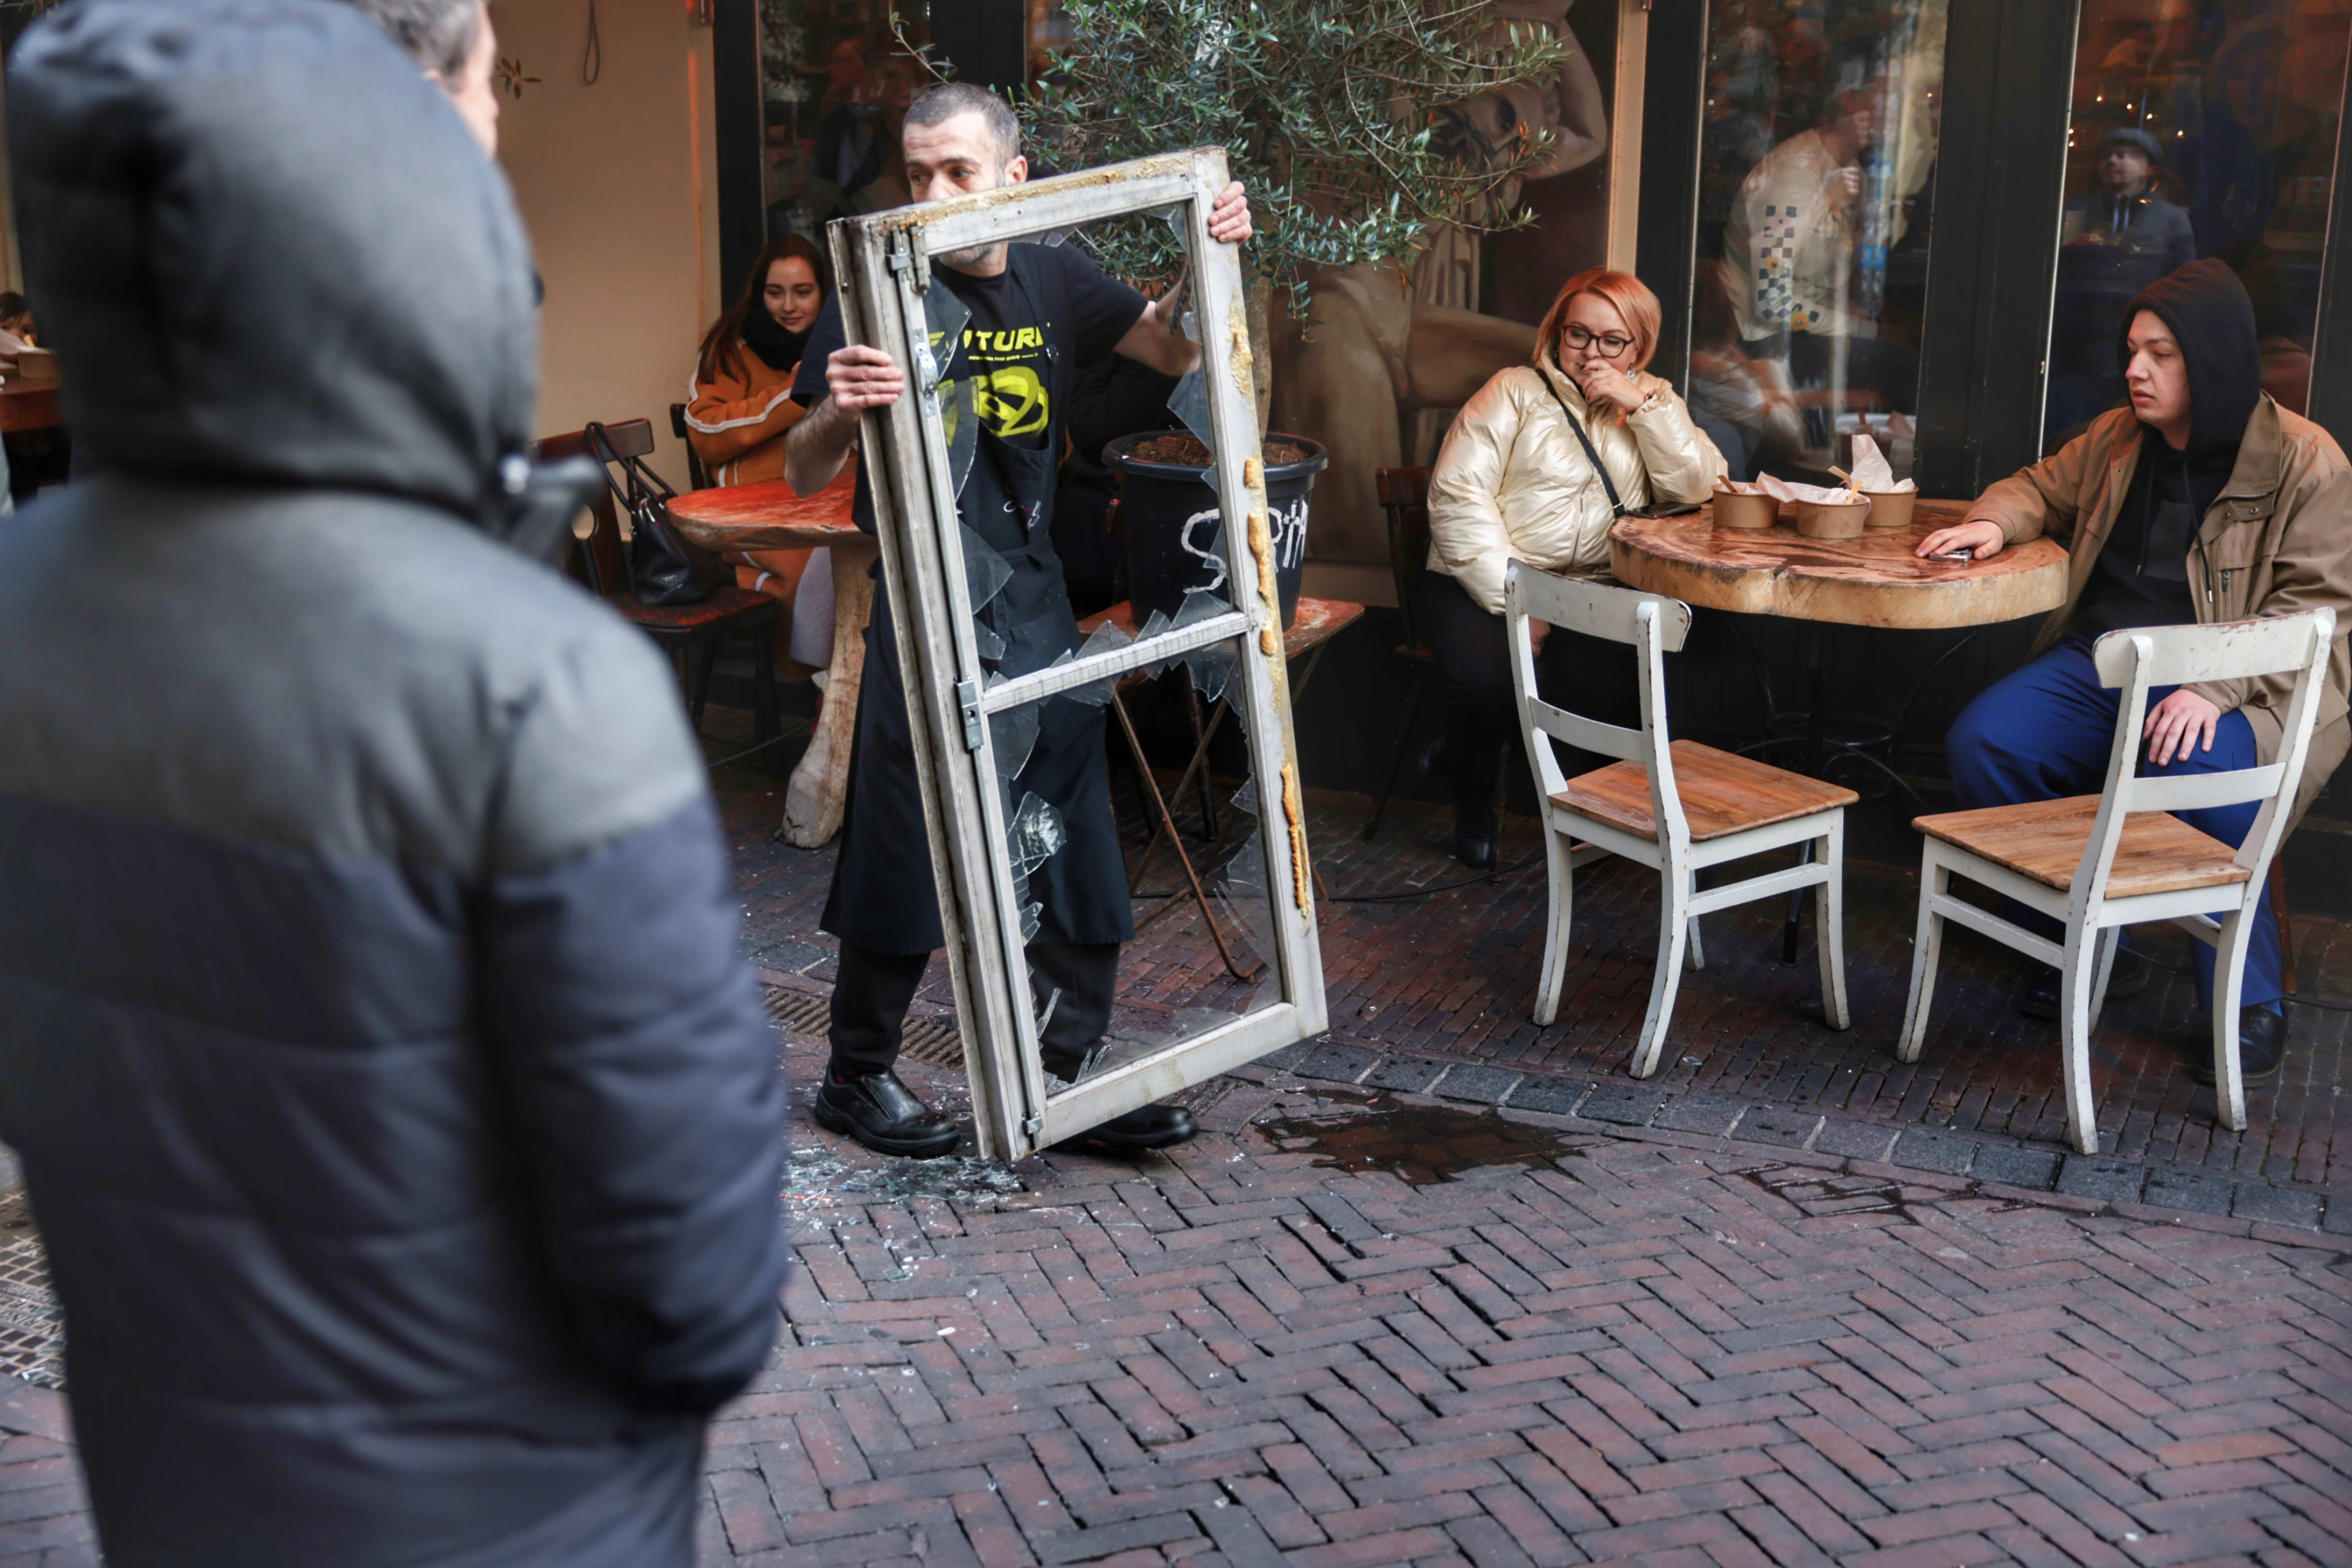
(267, 252)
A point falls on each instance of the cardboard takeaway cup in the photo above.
(1733, 511)
(1818, 520)
(1890, 509)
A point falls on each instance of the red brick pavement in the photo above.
(1347, 1330)
(1451, 978)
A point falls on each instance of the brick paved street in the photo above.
(1448, 1289)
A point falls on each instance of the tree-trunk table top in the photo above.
(1871, 581)
(767, 515)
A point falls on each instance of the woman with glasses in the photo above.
(1536, 468)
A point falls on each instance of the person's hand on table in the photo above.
(1229, 220)
(859, 378)
(2179, 723)
(1604, 385)
(1981, 536)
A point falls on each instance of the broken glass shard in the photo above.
(985, 571)
(1034, 835)
(1013, 734)
(1107, 638)
(1245, 799)
(955, 401)
(1212, 669)
(1201, 604)
(1032, 917)
(1189, 403)
(989, 641)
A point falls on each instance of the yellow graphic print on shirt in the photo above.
(1007, 383)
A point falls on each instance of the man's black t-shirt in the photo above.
(2141, 578)
(1024, 390)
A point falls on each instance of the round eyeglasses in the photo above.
(1611, 345)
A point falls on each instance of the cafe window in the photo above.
(835, 83)
(1816, 187)
(2198, 128)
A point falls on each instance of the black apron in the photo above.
(883, 898)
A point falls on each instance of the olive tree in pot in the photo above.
(1332, 112)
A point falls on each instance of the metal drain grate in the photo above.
(933, 1040)
(32, 1324)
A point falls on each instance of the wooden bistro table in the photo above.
(767, 515)
(1871, 581)
(26, 408)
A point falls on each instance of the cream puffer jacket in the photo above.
(1512, 481)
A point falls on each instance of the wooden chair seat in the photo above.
(2045, 839)
(727, 609)
(1721, 793)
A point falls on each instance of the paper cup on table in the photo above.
(1890, 509)
(1819, 520)
(1733, 511)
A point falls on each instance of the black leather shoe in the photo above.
(2129, 978)
(2261, 1048)
(882, 1114)
(1138, 1132)
(1474, 836)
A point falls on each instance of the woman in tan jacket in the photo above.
(1537, 467)
(741, 407)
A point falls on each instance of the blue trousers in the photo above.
(2045, 732)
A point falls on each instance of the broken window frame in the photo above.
(884, 262)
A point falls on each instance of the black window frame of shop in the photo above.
(1992, 255)
(987, 40)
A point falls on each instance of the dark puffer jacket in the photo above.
(398, 1113)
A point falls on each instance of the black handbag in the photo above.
(661, 572)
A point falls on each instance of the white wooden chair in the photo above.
(2101, 862)
(1676, 808)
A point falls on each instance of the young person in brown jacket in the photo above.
(2203, 501)
(741, 406)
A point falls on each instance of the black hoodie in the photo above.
(2141, 576)
(401, 1119)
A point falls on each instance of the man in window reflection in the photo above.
(2125, 208)
(2201, 502)
(1791, 243)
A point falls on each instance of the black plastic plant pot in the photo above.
(1173, 529)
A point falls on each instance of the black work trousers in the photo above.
(1586, 675)
(873, 990)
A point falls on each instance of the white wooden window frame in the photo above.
(884, 262)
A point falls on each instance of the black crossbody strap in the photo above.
(1616, 507)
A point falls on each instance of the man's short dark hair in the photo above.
(951, 99)
(437, 34)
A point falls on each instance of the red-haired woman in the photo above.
(1536, 468)
(742, 405)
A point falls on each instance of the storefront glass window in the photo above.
(1817, 177)
(835, 86)
(2200, 128)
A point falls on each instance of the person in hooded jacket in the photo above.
(2200, 501)
(398, 1113)
(742, 405)
(1537, 467)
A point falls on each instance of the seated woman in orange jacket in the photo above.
(742, 405)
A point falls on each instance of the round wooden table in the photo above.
(767, 515)
(1872, 580)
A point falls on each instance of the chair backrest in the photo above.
(603, 557)
(1404, 497)
(2137, 660)
(1653, 625)
(697, 472)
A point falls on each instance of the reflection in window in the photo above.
(2200, 128)
(1817, 174)
(835, 87)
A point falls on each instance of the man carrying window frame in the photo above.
(1038, 313)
